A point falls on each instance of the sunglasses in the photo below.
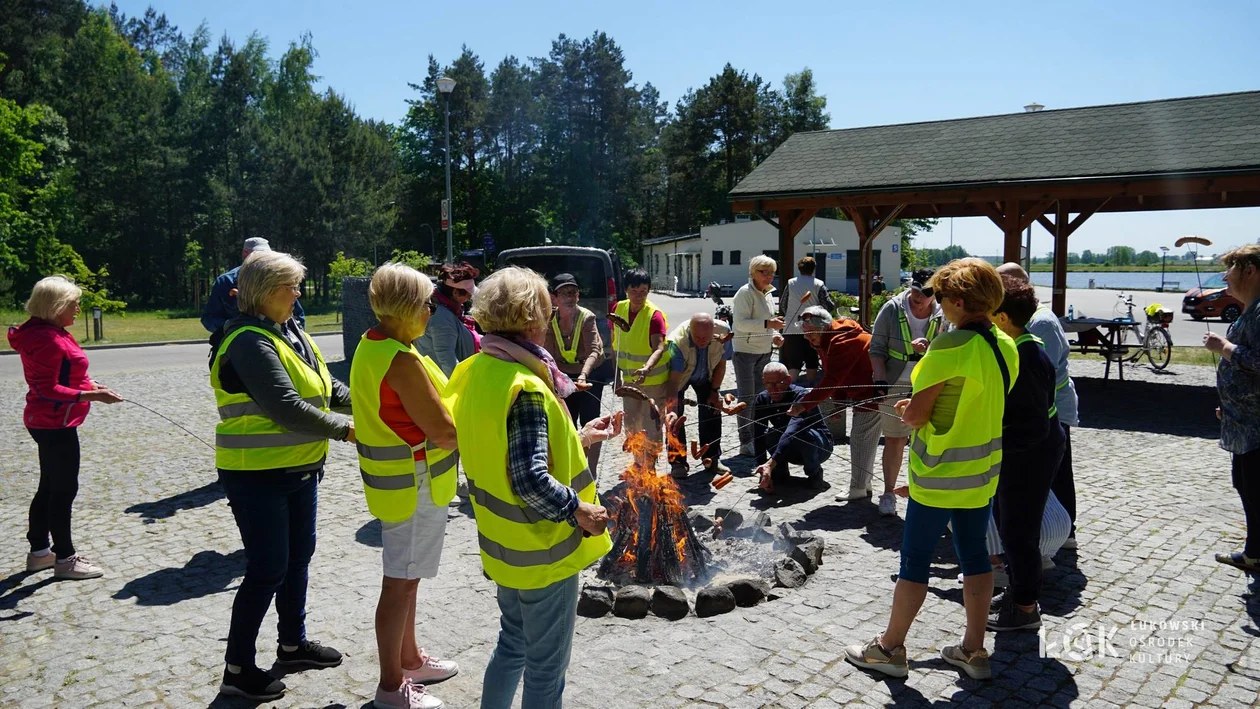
(940, 297)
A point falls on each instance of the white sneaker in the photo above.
(76, 568)
(854, 493)
(408, 696)
(431, 671)
(888, 504)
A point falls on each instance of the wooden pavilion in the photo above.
(1056, 168)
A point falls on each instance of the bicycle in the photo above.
(1150, 337)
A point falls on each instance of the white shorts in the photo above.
(413, 547)
(890, 421)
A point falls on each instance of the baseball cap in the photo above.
(561, 280)
(919, 280)
(257, 243)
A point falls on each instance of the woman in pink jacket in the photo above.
(58, 400)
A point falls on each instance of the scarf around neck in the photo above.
(516, 348)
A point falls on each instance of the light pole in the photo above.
(1162, 263)
(544, 224)
(446, 85)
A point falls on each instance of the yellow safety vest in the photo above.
(386, 462)
(635, 347)
(245, 439)
(958, 468)
(519, 548)
(906, 337)
(1027, 336)
(568, 354)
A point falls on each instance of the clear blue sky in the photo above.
(876, 63)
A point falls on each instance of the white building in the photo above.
(720, 253)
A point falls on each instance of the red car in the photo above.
(1211, 301)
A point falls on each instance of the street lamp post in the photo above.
(1162, 263)
(431, 242)
(544, 224)
(446, 85)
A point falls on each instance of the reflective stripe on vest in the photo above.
(907, 338)
(1028, 336)
(387, 463)
(519, 549)
(966, 482)
(955, 455)
(245, 438)
(634, 348)
(568, 354)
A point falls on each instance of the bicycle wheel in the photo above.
(1158, 347)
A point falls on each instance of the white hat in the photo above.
(257, 243)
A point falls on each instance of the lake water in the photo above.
(1129, 280)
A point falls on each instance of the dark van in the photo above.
(598, 273)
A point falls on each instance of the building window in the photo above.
(717, 258)
(656, 261)
(667, 264)
(734, 257)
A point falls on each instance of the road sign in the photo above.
(487, 242)
(836, 255)
(896, 248)
(446, 215)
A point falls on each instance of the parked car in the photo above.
(1211, 301)
(598, 273)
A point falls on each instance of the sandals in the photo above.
(1237, 560)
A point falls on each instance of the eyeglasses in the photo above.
(432, 305)
(295, 287)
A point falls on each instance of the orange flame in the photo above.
(643, 482)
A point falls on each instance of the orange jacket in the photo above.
(845, 354)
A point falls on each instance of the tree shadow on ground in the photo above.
(207, 572)
(14, 593)
(1152, 407)
(188, 500)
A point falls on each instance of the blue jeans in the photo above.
(923, 529)
(808, 448)
(276, 515)
(535, 637)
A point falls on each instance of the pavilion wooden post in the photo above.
(1058, 297)
(1011, 231)
(787, 242)
(868, 226)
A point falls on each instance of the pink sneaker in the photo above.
(408, 696)
(39, 563)
(76, 568)
(431, 670)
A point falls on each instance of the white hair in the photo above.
(52, 296)
(761, 261)
(817, 316)
(702, 317)
(774, 368)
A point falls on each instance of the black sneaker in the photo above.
(1012, 617)
(251, 683)
(309, 654)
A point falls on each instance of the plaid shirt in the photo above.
(528, 470)
(1238, 383)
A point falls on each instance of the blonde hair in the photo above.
(761, 261)
(512, 299)
(399, 291)
(973, 280)
(261, 274)
(51, 296)
(1248, 255)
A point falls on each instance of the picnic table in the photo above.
(1101, 336)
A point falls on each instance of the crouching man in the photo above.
(695, 362)
(785, 439)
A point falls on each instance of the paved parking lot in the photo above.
(1139, 615)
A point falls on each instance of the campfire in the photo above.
(653, 541)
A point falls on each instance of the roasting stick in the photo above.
(1198, 241)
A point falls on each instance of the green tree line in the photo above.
(139, 157)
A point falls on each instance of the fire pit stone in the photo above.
(632, 602)
(699, 521)
(714, 600)
(731, 519)
(749, 591)
(789, 574)
(670, 603)
(808, 555)
(595, 601)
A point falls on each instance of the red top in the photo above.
(394, 415)
(56, 371)
(656, 327)
(845, 354)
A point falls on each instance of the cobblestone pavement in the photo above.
(1154, 499)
